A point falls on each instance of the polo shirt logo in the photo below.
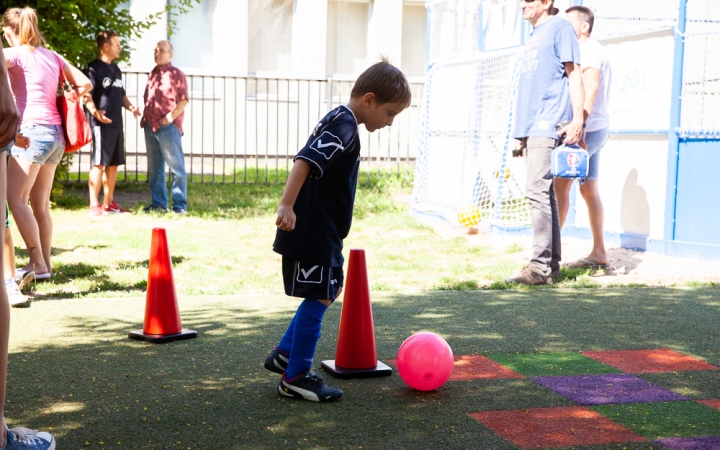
(327, 144)
(308, 274)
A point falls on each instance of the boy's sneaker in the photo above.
(95, 211)
(310, 386)
(15, 297)
(27, 439)
(276, 362)
(23, 277)
(180, 211)
(113, 208)
(530, 275)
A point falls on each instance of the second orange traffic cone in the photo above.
(356, 356)
(162, 316)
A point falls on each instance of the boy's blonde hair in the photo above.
(24, 23)
(386, 81)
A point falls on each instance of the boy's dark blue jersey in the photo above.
(324, 205)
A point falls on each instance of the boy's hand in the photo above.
(285, 218)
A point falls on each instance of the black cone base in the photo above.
(381, 370)
(162, 338)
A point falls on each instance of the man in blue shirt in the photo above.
(550, 91)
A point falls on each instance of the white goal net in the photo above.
(465, 171)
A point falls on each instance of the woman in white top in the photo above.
(34, 72)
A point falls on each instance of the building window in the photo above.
(347, 34)
(269, 35)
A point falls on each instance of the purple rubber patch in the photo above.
(695, 443)
(607, 389)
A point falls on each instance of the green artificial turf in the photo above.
(552, 364)
(696, 385)
(74, 372)
(666, 419)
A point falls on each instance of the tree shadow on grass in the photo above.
(93, 385)
(92, 278)
(146, 263)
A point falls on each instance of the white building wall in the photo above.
(299, 38)
(141, 58)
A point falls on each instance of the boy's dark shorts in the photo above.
(307, 280)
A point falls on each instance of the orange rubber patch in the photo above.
(556, 427)
(647, 361)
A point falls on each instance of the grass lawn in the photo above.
(73, 370)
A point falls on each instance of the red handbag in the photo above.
(75, 126)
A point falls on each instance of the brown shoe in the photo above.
(530, 275)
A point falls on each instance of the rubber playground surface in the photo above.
(593, 369)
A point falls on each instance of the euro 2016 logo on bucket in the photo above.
(573, 159)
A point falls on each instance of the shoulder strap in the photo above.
(61, 76)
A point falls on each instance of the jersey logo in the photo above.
(327, 144)
(309, 273)
(107, 82)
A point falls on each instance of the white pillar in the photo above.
(309, 38)
(385, 31)
(142, 57)
(230, 37)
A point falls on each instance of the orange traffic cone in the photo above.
(162, 316)
(355, 356)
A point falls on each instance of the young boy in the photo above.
(314, 217)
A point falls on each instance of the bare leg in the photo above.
(109, 178)
(95, 180)
(21, 176)
(4, 312)
(562, 192)
(40, 202)
(8, 254)
(591, 194)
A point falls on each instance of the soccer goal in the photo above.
(465, 171)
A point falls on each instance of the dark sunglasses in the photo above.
(529, 1)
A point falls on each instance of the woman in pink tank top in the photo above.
(34, 72)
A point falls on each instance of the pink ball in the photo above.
(425, 361)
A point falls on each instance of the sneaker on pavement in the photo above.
(95, 211)
(23, 277)
(530, 275)
(310, 386)
(113, 208)
(276, 362)
(27, 439)
(158, 209)
(15, 297)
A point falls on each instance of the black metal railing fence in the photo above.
(247, 129)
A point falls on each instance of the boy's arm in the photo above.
(298, 174)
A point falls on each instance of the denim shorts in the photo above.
(47, 144)
(595, 141)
